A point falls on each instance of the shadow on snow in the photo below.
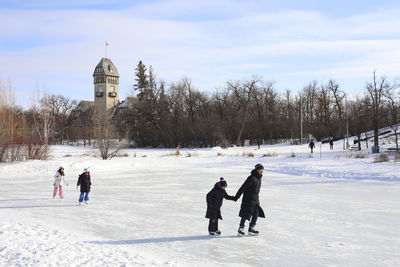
(23, 199)
(38, 206)
(161, 240)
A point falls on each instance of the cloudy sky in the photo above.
(55, 45)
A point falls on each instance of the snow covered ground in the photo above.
(329, 209)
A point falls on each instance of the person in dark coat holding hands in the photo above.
(85, 183)
(214, 202)
(250, 208)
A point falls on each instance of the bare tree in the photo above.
(60, 107)
(392, 94)
(15, 141)
(376, 90)
(104, 132)
(8, 122)
(43, 117)
(338, 96)
(242, 92)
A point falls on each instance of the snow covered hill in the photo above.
(148, 208)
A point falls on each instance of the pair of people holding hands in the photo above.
(250, 208)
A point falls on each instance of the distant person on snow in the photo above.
(331, 143)
(85, 183)
(59, 180)
(250, 207)
(214, 203)
(311, 146)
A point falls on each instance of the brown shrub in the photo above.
(382, 158)
(269, 154)
(361, 156)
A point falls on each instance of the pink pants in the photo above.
(55, 191)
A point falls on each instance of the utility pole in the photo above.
(347, 133)
(346, 111)
(301, 120)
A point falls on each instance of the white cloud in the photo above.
(62, 47)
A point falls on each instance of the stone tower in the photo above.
(106, 80)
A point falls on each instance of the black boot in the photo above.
(253, 231)
(241, 231)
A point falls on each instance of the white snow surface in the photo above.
(147, 209)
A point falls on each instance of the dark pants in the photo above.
(254, 218)
(213, 225)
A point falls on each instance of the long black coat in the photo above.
(214, 202)
(250, 190)
(84, 182)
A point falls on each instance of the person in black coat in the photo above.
(311, 145)
(250, 208)
(85, 183)
(214, 202)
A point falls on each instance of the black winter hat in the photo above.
(259, 167)
(222, 182)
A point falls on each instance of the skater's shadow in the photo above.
(38, 206)
(23, 199)
(159, 240)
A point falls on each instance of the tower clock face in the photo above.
(100, 90)
(112, 89)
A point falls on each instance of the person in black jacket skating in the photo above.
(330, 143)
(311, 146)
(250, 208)
(214, 202)
(85, 183)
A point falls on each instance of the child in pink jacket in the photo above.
(59, 180)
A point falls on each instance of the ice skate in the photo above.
(241, 231)
(253, 231)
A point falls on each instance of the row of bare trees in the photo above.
(179, 114)
(182, 115)
(27, 134)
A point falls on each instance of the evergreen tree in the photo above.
(141, 79)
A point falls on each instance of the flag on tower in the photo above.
(107, 44)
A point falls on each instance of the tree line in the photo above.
(181, 115)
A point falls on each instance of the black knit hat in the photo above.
(222, 182)
(259, 167)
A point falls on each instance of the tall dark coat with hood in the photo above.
(84, 182)
(214, 201)
(250, 190)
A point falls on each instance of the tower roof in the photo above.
(106, 67)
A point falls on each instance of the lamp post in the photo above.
(301, 120)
